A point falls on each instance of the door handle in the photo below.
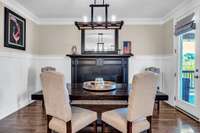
(196, 77)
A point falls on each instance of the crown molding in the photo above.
(57, 21)
(189, 7)
(185, 5)
(142, 21)
(15, 6)
(171, 14)
(182, 9)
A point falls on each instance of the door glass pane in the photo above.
(187, 67)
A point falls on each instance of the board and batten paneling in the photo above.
(16, 84)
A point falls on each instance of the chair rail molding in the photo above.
(16, 55)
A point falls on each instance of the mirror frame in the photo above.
(116, 34)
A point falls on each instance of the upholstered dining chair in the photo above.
(133, 119)
(47, 69)
(61, 117)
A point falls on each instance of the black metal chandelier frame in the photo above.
(99, 25)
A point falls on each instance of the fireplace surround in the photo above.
(109, 67)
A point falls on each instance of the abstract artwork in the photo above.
(14, 30)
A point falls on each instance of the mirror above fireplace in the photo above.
(99, 41)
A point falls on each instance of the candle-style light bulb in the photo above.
(99, 19)
(113, 18)
(85, 19)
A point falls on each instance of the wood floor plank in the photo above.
(31, 119)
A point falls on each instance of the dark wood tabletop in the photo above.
(77, 92)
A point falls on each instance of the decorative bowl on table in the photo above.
(99, 86)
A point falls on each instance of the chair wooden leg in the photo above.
(129, 127)
(148, 131)
(48, 120)
(150, 121)
(43, 106)
(95, 126)
(158, 106)
(103, 126)
(69, 127)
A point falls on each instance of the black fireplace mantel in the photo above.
(109, 67)
(99, 55)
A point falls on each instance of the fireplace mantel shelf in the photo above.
(99, 55)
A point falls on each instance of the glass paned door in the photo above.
(188, 73)
(187, 68)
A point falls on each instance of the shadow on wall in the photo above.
(30, 82)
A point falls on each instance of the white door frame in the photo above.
(196, 111)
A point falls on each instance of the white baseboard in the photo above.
(13, 108)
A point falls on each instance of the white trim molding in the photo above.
(16, 6)
(171, 14)
(12, 108)
(56, 21)
(16, 55)
(49, 57)
(13, 4)
(155, 57)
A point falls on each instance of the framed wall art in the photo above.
(14, 30)
(126, 47)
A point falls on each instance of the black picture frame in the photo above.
(14, 30)
(98, 52)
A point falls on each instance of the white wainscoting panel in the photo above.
(167, 67)
(20, 75)
(138, 64)
(61, 63)
(169, 79)
(14, 83)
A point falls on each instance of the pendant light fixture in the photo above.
(100, 23)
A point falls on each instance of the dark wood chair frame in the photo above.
(129, 126)
(68, 125)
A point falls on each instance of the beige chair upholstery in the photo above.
(80, 119)
(140, 105)
(57, 105)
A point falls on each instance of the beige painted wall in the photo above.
(31, 35)
(168, 37)
(146, 39)
(58, 40)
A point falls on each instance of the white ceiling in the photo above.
(70, 9)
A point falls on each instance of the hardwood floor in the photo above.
(31, 119)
